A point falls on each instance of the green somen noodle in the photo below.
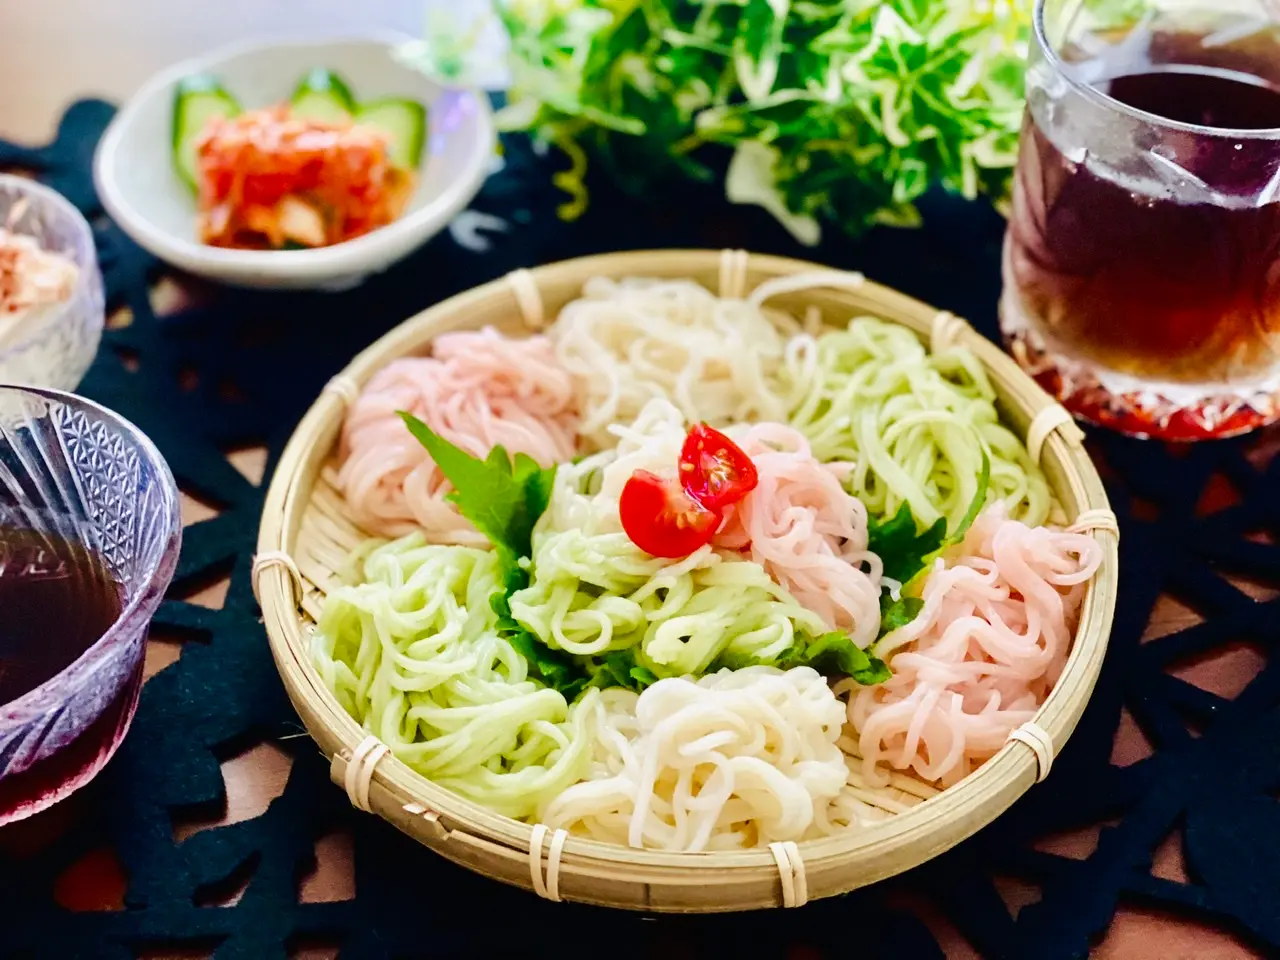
(593, 594)
(870, 395)
(873, 396)
(411, 653)
(593, 591)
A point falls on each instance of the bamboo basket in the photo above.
(305, 535)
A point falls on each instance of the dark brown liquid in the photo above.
(1200, 95)
(1140, 279)
(56, 600)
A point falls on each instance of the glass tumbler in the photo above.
(1142, 261)
(85, 500)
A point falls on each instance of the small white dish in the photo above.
(138, 186)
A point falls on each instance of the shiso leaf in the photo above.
(898, 545)
(832, 654)
(503, 501)
(836, 653)
(619, 669)
(895, 614)
(906, 552)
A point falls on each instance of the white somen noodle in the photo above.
(630, 341)
(736, 759)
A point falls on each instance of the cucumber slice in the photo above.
(323, 95)
(404, 121)
(196, 100)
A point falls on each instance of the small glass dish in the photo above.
(86, 482)
(61, 346)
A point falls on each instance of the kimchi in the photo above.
(270, 180)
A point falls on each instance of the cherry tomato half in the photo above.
(661, 519)
(714, 470)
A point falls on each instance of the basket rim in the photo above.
(970, 799)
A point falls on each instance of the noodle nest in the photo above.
(711, 732)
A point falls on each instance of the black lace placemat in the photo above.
(241, 370)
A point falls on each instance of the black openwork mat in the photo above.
(241, 370)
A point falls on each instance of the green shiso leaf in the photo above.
(832, 654)
(907, 552)
(504, 499)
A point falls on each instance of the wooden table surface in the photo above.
(57, 51)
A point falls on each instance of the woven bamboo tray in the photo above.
(305, 535)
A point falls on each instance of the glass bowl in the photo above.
(61, 348)
(75, 471)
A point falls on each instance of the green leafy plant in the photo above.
(839, 111)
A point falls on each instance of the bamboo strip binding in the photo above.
(344, 388)
(1034, 736)
(273, 558)
(357, 772)
(548, 889)
(795, 887)
(946, 331)
(1051, 418)
(1099, 518)
(306, 534)
(528, 299)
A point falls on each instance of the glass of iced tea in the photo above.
(1142, 263)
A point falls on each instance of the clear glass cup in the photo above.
(56, 343)
(1142, 261)
(77, 474)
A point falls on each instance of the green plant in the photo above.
(841, 111)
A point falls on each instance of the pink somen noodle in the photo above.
(806, 531)
(477, 390)
(979, 660)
